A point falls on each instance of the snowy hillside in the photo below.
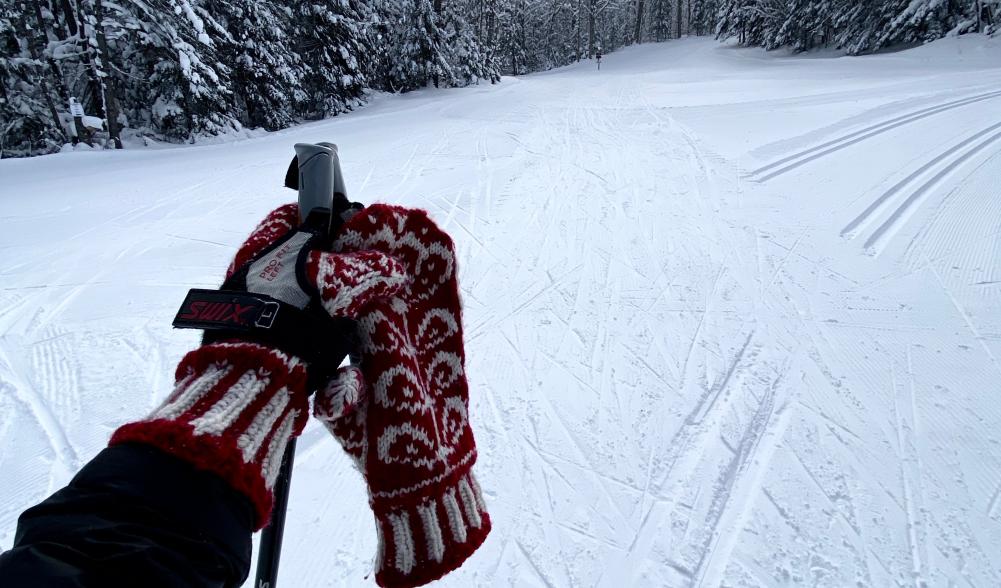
(733, 318)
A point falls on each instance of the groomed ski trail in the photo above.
(731, 317)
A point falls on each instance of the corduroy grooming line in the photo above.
(402, 414)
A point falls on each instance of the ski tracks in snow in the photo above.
(864, 334)
(608, 390)
(889, 212)
(678, 378)
(795, 160)
(726, 399)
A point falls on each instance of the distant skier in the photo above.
(598, 56)
(174, 500)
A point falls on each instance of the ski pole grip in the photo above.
(316, 182)
(340, 193)
(315, 172)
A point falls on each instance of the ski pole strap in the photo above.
(310, 334)
(227, 310)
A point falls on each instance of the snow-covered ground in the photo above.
(733, 318)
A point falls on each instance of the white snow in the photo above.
(732, 317)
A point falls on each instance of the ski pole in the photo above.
(315, 172)
(270, 550)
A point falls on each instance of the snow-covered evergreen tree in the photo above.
(659, 22)
(512, 47)
(926, 20)
(704, 16)
(266, 72)
(856, 27)
(184, 89)
(26, 119)
(333, 45)
(418, 56)
(178, 69)
(469, 61)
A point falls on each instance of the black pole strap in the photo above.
(310, 334)
(227, 310)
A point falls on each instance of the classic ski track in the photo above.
(56, 373)
(896, 219)
(806, 156)
(910, 470)
(535, 567)
(709, 399)
(867, 216)
(694, 429)
(993, 503)
(719, 554)
(948, 232)
(688, 443)
(691, 442)
(811, 332)
(66, 456)
(746, 471)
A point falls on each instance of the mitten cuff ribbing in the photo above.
(234, 408)
(426, 534)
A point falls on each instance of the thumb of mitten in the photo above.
(340, 397)
(348, 282)
(341, 407)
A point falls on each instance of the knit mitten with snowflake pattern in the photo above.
(237, 403)
(402, 413)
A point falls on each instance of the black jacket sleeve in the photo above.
(134, 516)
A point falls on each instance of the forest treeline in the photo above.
(176, 70)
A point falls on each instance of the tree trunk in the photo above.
(42, 40)
(576, 25)
(58, 27)
(524, 41)
(432, 26)
(491, 28)
(590, 29)
(69, 16)
(638, 34)
(688, 22)
(93, 81)
(678, 18)
(108, 80)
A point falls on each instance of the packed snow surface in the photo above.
(732, 317)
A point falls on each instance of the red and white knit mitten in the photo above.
(236, 404)
(402, 414)
(234, 408)
(346, 282)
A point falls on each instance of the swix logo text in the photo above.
(225, 312)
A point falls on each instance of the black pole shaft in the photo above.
(329, 220)
(270, 548)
